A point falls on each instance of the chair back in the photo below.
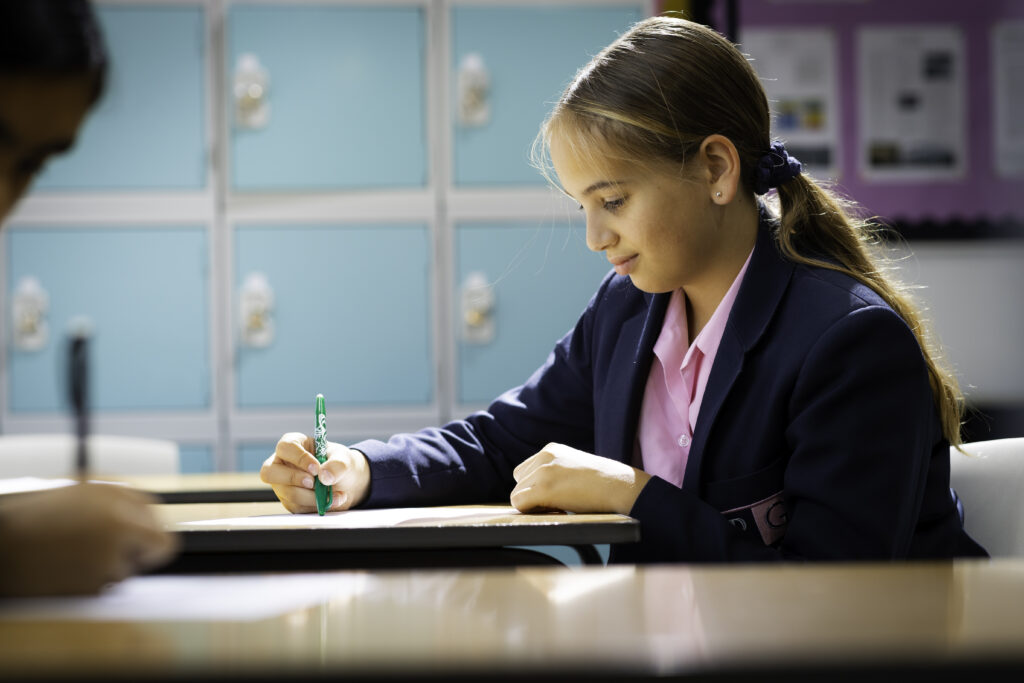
(990, 483)
(53, 455)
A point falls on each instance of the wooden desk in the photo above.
(216, 487)
(951, 621)
(263, 536)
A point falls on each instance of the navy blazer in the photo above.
(817, 437)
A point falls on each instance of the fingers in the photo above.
(530, 465)
(530, 499)
(292, 472)
(144, 542)
(533, 488)
(303, 501)
(348, 472)
(121, 492)
(338, 467)
(295, 499)
(273, 473)
(294, 450)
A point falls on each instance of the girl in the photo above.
(746, 384)
(80, 538)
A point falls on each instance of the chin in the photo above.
(651, 286)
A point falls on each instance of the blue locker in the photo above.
(250, 456)
(145, 293)
(351, 316)
(531, 54)
(345, 93)
(148, 132)
(543, 276)
(196, 459)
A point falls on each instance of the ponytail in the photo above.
(817, 229)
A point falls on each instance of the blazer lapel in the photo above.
(763, 285)
(640, 367)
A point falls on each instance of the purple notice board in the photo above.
(981, 194)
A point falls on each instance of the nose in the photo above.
(600, 236)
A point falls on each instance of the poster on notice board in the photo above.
(1008, 96)
(798, 69)
(912, 103)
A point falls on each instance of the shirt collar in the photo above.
(672, 348)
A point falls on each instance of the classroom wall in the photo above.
(964, 251)
(979, 191)
(354, 232)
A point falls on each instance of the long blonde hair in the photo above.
(659, 90)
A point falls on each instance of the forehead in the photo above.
(580, 161)
(37, 109)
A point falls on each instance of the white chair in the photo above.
(990, 483)
(53, 455)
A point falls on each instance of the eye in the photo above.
(614, 205)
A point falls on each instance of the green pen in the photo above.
(324, 493)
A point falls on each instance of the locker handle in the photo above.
(256, 307)
(478, 302)
(251, 83)
(474, 84)
(29, 305)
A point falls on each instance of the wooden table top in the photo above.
(269, 527)
(213, 487)
(654, 621)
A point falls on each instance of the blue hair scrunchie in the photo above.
(775, 168)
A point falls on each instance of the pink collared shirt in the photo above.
(672, 398)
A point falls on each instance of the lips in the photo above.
(623, 265)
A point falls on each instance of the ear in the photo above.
(722, 168)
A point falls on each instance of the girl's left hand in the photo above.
(563, 478)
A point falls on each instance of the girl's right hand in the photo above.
(290, 471)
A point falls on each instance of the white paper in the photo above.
(246, 597)
(29, 484)
(1008, 97)
(912, 95)
(358, 519)
(798, 68)
(32, 484)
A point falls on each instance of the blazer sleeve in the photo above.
(861, 426)
(471, 460)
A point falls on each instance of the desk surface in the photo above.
(267, 527)
(590, 622)
(215, 487)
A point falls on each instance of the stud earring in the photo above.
(718, 195)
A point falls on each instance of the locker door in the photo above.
(530, 54)
(351, 316)
(144, 292)
(344, 97)
(542, 278)
(147, 132)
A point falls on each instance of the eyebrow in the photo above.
(601, 184)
